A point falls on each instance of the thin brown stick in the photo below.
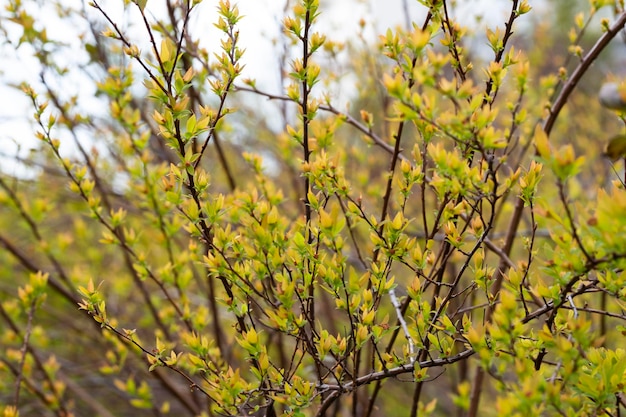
(558, 105)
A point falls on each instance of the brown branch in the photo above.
(337, 390)
(581, 69)
(27, 263)
(378, 141)
(508, 31)
(23, 352)
(556, 108)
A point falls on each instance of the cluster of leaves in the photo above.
(416, 252)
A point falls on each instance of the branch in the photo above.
(384, 374)
(331, 109)
(582, 68)
(560, 101)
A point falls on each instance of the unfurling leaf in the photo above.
(541, 142)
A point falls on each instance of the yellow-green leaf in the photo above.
(141, 4)
(616, 148)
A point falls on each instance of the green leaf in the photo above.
(141, 4)
(616, 148)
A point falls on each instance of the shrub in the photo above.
(193, 242)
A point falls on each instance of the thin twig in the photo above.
(337, 390)
(556, 108)
(396, 304)
(23, 352)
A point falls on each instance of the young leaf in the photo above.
(616, 148)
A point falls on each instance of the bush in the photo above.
(193, 242)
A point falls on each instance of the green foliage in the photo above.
(453, 245)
